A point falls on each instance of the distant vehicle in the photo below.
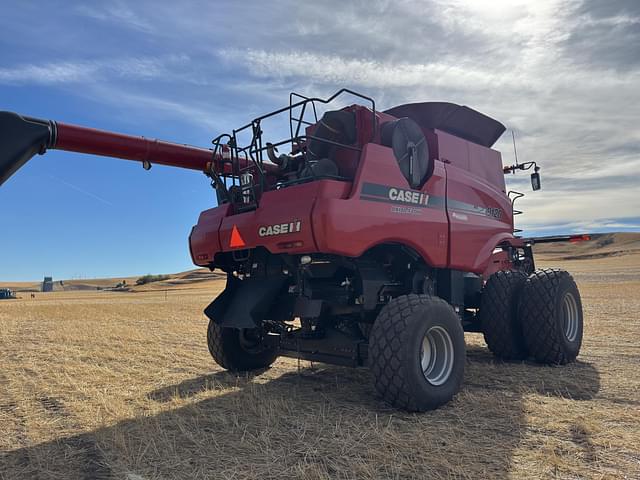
(6, 294)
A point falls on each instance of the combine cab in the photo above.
(361, 238)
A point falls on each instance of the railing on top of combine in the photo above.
(242, 173)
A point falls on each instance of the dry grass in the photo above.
(120, 385)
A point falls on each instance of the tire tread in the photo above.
(226, 351)
(499, 317)
(538, 310)
(386, 349)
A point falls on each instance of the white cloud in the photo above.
(367, 73)
(91, 71)
(116, 12)
(49, 73)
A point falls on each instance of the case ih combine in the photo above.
(377, 239)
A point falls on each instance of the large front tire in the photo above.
(417, 352)
(551, 313)
(240, 350)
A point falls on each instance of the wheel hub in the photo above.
(251, 340)
(570, 317)
(437, 355)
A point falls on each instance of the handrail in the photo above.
(252, 154)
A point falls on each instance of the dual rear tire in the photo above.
(537, 316)
(550, 309)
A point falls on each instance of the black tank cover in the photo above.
(458, 120)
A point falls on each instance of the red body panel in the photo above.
(353, 225)
(480, 212)
(204, 241)
(474, 233)
(292, 205)
(459, 216)
(334, 218)
(481, 162)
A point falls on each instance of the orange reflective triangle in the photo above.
(236, 238)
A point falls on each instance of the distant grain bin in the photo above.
(47, 284)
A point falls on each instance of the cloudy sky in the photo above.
(564, 75)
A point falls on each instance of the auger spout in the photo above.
(20, 139)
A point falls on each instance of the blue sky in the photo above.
(564, 75)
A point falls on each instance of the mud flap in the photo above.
(244, 303)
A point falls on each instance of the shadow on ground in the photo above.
(316, 423)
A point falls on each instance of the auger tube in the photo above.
(22, 137)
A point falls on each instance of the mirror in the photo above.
(535, 181)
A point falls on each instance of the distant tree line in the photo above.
(151, 278)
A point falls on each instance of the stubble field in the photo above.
(121, 385)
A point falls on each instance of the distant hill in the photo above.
(186, 279)
(601, 245)
(176, 280)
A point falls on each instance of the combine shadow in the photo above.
(193, 386)
(317, 423)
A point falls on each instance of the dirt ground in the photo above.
(121, 385)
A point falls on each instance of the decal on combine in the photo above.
(406, 210)
(477, 209)
(280, 229)
(408, 196)
(459, 216)
(236, 240)
(493, 212)
(375, 192)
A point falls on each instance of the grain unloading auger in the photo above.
(377, 239)
(23, 137)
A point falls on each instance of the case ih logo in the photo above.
(408, 196)
(375, 192)
(280, 229)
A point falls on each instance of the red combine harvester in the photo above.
(378, 239)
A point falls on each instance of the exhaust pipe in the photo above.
(20, 139)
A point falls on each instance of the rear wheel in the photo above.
(551, 312)
(417, 352)
(240, 350)
(501, 325)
